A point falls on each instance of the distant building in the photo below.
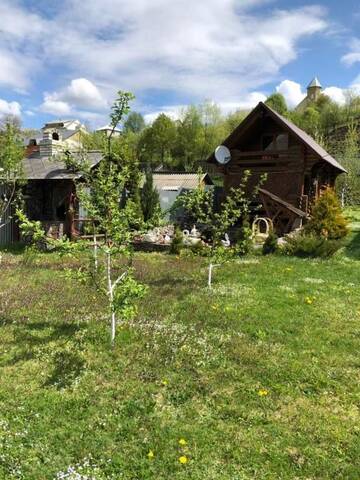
(50, 190)
(57, 137)
(313, 93)
(170, 185)
(107, 129)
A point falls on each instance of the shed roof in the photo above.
(172, 181)
(302, 136)
(49, 168)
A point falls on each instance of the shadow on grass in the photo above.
(25, 337)
(13, 248)
(352, 249)
(67, 367)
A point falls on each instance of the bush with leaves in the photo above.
(327, 219)
(177, 242)
(311, 246)
(270, 245)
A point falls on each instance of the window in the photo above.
(282, 141)
(55, 136)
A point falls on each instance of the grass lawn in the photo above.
(260, 376)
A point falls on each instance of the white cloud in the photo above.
(217, 49)
(337, 95)
(80, 93)
(353, 56)
(291, 92)
(55, 107)
(10, 108)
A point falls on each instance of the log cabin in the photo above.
(297, 168)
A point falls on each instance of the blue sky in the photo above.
(69, 61)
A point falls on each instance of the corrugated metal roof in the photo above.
(170, 181)
(44, 168)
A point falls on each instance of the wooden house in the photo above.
(297, 167)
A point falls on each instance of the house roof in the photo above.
(302, 136)
(106, 128)
(45, 168)
(179, 181)
(314, 83)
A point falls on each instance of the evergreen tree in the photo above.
(150, 201)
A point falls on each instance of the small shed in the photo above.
(171, 184)
(296, 166)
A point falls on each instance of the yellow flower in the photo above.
(309, 300)
(262, 392)
(151, 454)
(183, 459)
(164, 382)
(182, 442)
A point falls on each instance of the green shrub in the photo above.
(327, 219)
(312, 246)
(243, 237)
(270, 245)
(177, 243)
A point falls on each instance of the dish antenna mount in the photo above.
(222, 155)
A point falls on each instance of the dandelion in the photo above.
(263, 392)
(309, 300)
(151, 454)
(182, 442)
(183, 459)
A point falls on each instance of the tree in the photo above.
(102, 193)
(188, 150)
(134, 123)
(349, 156)
(277, 102)
(150, 201)
(11, 156)
(157, 142)
(200, 205)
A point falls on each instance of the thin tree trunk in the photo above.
(95, 253)
(111, 296)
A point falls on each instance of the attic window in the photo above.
(55, 136)
(267, 141)
(282, 141)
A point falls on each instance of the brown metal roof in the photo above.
(45, 168)
(293, 129)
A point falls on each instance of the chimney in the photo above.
(45, 145)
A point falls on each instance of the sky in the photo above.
(68, 59)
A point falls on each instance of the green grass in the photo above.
(190, 366)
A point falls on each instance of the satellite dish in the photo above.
(222, 154)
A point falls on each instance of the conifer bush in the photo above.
(327, 220)
(270, 245)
